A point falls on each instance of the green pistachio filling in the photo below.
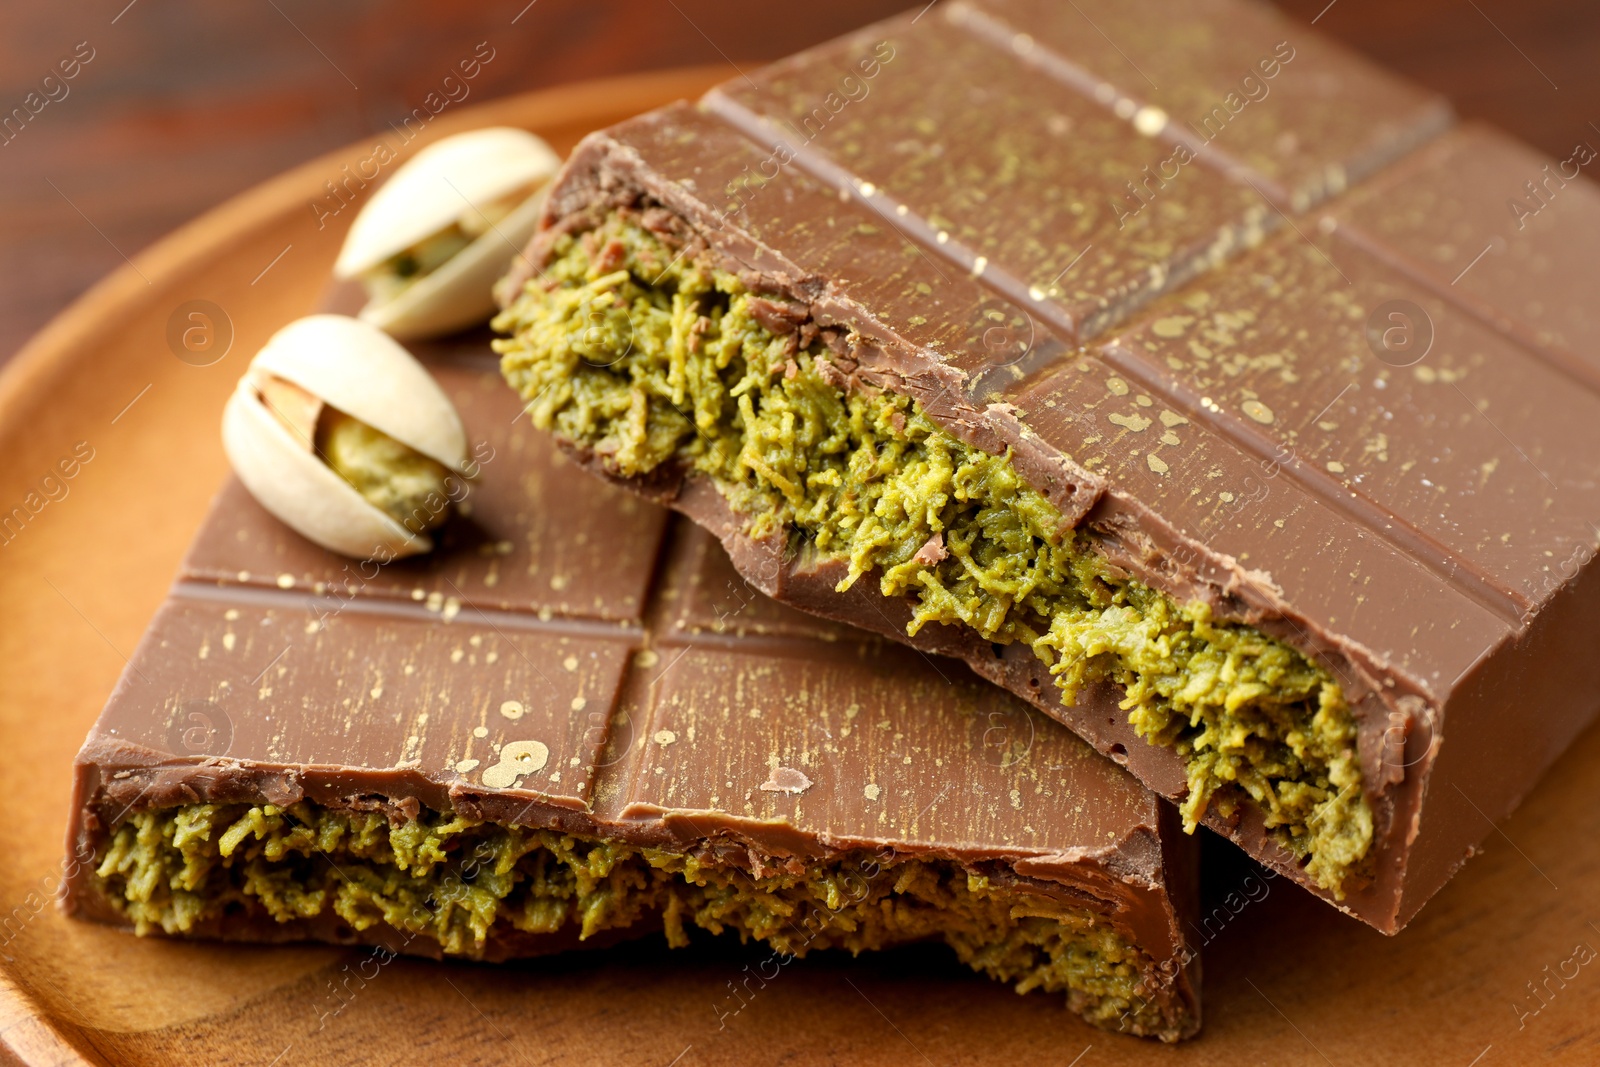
(646, 357)
(409, 487)
(456, 881)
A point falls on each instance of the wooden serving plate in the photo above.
(1500, 968)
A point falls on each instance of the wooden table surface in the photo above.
(185, 103)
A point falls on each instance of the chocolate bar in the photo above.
(574, 723)
(1177, 370)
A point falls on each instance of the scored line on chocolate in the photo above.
(399, 608)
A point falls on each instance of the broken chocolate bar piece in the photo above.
(1161, 407)
(574, 723)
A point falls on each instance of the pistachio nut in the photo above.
(339, 432)
(433, 239)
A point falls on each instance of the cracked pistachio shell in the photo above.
(360, 371)
(446, 183)
(366, 374)
(303, 492)
(460, 293)
(438, 186)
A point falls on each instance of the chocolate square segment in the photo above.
(1248, 506)
(1039, 204)
(1490, 223)
(756, 196)
(261, 681)
(1466, 450)
(1246, 90)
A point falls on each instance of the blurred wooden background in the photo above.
(185, 103)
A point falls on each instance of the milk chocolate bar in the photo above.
(1177, 370)
(574, 723)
